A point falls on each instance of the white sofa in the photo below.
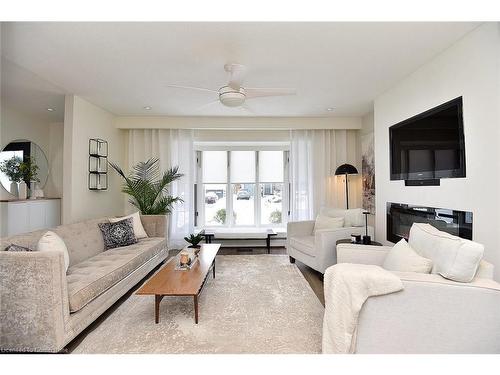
(431, 314)
(316, 249)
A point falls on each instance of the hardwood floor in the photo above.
(314, 278)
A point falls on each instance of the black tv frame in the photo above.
(429, 178)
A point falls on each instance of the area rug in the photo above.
(256, 304)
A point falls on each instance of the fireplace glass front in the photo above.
(400, 218)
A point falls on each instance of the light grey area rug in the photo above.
(256, 304)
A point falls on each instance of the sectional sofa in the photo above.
(42, 307)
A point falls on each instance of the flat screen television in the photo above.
(429, 146)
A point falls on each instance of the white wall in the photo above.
(470, 68)
(83, 121)
(367, 128)
(18, 125)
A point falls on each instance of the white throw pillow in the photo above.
(454, 258)
(139, 231)
(404, 259)
(326, 222)
(52, 242)
(352, 218)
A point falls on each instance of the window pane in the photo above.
(242, 166)
(214, 166)
(243, 204)
(271, 203)
(215, 204)
(271, 166)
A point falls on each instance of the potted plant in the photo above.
(148, 190)
(11, 168)
(29, 170)
(194, 240)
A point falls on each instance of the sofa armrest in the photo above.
(361, 254)
(299, 228)
(432, 315)
(34, 308)
(155, 225)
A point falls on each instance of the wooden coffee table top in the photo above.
(171, 282)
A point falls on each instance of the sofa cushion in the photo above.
(52, 242)
(92, 277)
(328, 222)
(83, 239)
(404, 259)
(304, 244)
(454, 258)
(118, 234)
(352, 218)
(136, 223)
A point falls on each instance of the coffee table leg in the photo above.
(158, 299)
(196, 309)
(213, 267)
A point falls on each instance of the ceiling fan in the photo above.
(233, 94)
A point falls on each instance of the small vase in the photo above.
(38, 191)
(13, 189)
(32, 189)
(23, 190)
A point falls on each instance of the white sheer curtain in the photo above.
(314, 156)
(172, 147)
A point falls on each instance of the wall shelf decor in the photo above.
(98, 164)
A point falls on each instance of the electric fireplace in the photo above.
(400, 218)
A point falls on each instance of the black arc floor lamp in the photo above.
(346, 169)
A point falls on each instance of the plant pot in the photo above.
(32, 189)
(13, 189)
(155, 225)
(23, 190)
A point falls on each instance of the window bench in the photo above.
(243, 234)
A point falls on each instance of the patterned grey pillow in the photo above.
(14, 247)
(118, 234)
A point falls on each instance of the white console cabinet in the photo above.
(21, 216)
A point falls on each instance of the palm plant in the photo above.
(148, 188)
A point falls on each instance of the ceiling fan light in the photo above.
(231, 97)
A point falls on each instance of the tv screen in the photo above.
(430, 145)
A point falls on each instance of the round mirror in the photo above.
(35, 165)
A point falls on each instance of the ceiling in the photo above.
(124, 67)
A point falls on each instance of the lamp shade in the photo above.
(346, 169)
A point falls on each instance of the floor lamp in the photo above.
(346, 169)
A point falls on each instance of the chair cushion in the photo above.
(328, 222)
(304, 244)
(404, 259)
(352, 218)
(454, 258)
(92, 277)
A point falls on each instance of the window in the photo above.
(251, 184)
(271, 176)
(214, 168)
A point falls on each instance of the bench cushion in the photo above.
(92, 277)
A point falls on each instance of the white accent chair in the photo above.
(431, 314)
(316, 249)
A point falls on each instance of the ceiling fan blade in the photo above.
(208, 105)
(238, 73)
(247, 109)
(255, 92)
(192, 88)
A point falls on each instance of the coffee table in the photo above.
(171, 282)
